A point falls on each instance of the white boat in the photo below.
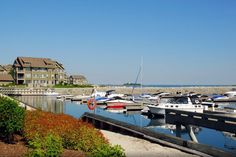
(179, 102)
(230, 94)
(51, 93)
(156, 96)
(111, 94)
(65, 97)
(107, 94)
(95, 93)
(118, 103)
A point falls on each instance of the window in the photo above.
(27, 69)
(27, 75)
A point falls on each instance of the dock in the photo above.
(221, 122)
(110, 124)
(22, 91)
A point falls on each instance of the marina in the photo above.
(225, 141)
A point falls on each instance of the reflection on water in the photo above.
(203, 135)
(44, 103)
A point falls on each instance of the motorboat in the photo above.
(101, 100)
(65, 97)
(218, 97)
(95, 93)
(176, 102)
(156, 96)
(118, 102)
(230, 94)
(108, 94)
(50, 92)
(111, 94)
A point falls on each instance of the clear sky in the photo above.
(181, 41)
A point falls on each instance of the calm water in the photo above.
(204, 135)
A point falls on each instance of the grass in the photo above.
(14, 85)
(73, 86)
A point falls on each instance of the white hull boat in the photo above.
(182, 103)
(51, 94)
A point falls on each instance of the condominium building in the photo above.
(38, 71)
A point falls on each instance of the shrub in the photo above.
(106, 150)
(11, 118)
(50, 146)
(75, 133)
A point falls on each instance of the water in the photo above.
(204, 135)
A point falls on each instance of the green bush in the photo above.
(49, 146)
(107, 150)
(11, 118)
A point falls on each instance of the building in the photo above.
(2, 69)
(78, 79)
(8, 68)
(5, 77)
(38, 71)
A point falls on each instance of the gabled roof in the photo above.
(37, 62)
(5, 77)
(6, 68)
(2, 69)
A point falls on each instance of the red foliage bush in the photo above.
(75, 133)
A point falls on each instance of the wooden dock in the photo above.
(171, 141)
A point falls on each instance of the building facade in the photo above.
(78, 80)
(38, 71)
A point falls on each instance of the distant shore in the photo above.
(128, 90)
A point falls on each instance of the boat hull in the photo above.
(162, 111)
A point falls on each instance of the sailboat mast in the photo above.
(141, 67)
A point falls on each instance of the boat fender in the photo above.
(92, 104)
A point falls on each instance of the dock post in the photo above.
(191, 133)
(178, 130)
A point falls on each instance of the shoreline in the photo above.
(151, 90)
(136, 147)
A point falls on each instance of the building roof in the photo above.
(5, 77)
(37, 62)
(2, 69)
(78, 77)
(8, 67)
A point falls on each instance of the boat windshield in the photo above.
(195, 99)
(174, 100)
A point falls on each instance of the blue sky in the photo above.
(181, 41)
